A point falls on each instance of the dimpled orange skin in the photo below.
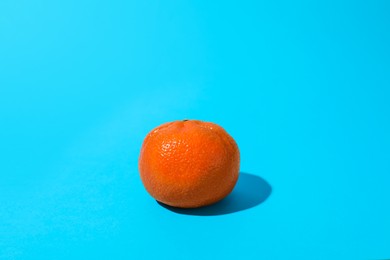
(189, 163)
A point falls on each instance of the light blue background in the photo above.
(302, 86)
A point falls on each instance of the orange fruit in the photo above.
(189, 163)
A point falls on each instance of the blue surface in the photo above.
(303, 87)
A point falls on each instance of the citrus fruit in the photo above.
(189, 163)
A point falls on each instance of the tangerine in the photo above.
(189, 163)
